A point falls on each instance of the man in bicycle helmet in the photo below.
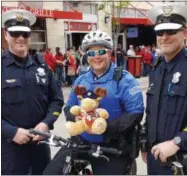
(124, 102)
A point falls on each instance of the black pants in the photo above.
(155, 167)
(23, 159)
(118, 165)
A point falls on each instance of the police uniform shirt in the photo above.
(29, 95)
(172, 103)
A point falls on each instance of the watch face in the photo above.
(177, 140)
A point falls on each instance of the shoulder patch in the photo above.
(134, 90)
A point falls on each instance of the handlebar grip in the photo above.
(111, 150)
(43, 134)
(47, 135)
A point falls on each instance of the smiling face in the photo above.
(18, 46)
(171, 44)
(99, 63)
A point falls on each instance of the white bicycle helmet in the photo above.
(97, 38)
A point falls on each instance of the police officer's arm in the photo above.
(56, 102)
(8, 130)
(132, 100)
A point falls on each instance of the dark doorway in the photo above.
(77, 39)
(146, 36)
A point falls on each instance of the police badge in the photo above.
(176, 77)
(167, 10)
(19, 17)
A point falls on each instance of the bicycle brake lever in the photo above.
(50, 142)
(177, 166)
(105, 157)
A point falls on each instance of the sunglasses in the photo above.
(168, 32)
(100, 52)
(16, 34)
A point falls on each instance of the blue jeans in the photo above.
(59, 72)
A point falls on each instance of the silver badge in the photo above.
(43, 80)
(41, 71)
(167, 10)
(176, 77)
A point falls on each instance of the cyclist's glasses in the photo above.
(16, 34)
(168, 32)
(100, 52)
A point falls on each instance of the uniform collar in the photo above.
(175, 60)
(108, 75)
(11, 60)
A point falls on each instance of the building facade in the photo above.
(64, 24)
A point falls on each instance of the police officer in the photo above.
(124, 103)
(166, 110)
(30, 99)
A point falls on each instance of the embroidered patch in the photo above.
(135, 90)
(10, 80)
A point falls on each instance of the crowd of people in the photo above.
(71, 64)
(66, 67)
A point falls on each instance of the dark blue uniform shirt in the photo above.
(167, 100)
(29, 95)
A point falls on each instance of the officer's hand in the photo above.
(43, 128)
(164, 150)
(144, 156)
(22, 136)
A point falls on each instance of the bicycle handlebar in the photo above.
(47, 135)
(69, 143)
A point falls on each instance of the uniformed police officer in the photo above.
(124, 103)
(30, 99)
(166, 120)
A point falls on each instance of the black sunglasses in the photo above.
(16, 34)
(168, 32)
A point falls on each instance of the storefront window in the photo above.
(38, 36)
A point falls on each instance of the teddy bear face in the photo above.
(89, 104)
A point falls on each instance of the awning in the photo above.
(45, 13)
(135, 21)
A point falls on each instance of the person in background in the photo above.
(50, 59)
(59, 66)
(30, 99)
(71, 66)
(130, 51)
(121, 57)
(147, 60)
(84, 65)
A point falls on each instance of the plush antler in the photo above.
(100, 92)
(79, 91)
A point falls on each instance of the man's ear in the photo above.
(185, 33)
(5, 34)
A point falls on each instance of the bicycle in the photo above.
(75, 166)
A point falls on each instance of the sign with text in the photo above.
(80, 26)
(45, 13)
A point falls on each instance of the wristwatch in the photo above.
(177, 140)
